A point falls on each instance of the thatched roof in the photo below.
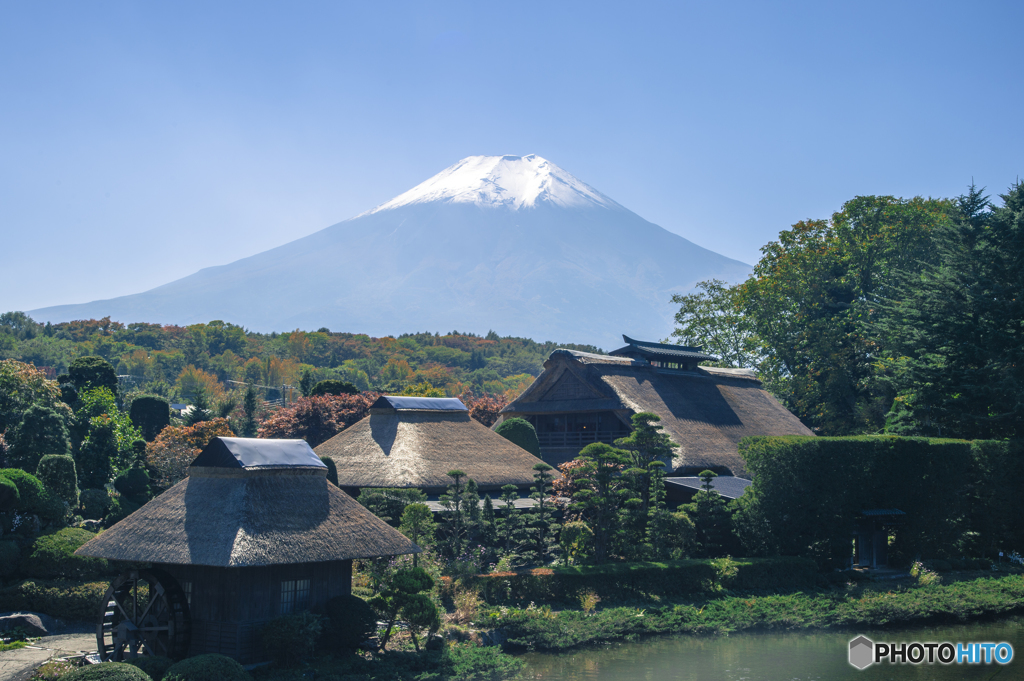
(706, 411)
(399, 446)
(271, 512)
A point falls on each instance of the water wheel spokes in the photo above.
(145, 612)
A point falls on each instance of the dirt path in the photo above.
(18, 665)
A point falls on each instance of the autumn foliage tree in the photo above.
(484, 409)
(176, 447)
(318, 419)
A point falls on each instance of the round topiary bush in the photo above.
(209, 667)
(154, 665)
(9, 495)
(31, 490)
(57, 473)
(107, 671)
(352, 621)
(520, 432)
(133, 485)
(95, 503)
(53, 556)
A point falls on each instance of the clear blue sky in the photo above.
(142, 141)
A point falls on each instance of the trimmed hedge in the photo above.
(959, 497)
(150, 414)
(57, 473)
(351, 621)
(10, 556)
(61, 599)
(153, 665)
(620, 581)
(30, 489)
(520, 432)
(107, 671)
(9, 495)
(52, 556)
(209, 667)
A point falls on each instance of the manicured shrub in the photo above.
(53, 556)
(61, 599)
(58, 475)
(520, 432)
(133, 485)
(154, 665)
(30, 489)
(95, 503)
(9, 495)
(333, 387)
(10, 556)
(41, 431)
(107, 671)
(332, 470)
(292, 637)
(150, 414)
(91, 371)
(351, 622)
(209, 667)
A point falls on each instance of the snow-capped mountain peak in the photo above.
(502, 181)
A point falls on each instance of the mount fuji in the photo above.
(509, 243)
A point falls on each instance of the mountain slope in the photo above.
(513, 244)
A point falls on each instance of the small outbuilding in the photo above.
(254, 532)
(412, 442)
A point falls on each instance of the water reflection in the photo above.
(775, 657)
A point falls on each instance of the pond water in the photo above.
(820, 656)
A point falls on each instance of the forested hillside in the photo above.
(172, 361)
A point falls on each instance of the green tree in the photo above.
(950, 337)
(713, 319)
(520, 432)
(200, 409)
(812, 290)
(600, 498)
(150, 414)
(57, 473)
(91, 372)
(41, 431)
(402, 594)
(511, 527)
(98, 452)
(456, 517)
(334, 387)
(306, 382)
(648, 448)
(250, 410)
(418, 525)
(542, 526)
(711, 517)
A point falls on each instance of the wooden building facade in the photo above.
(254, 532)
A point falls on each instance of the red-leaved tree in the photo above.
(484, 409)
(318, 419)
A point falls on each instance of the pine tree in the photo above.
(541, 520)
(510, 526)
(250, 406)
(200, 410)
(454, 515)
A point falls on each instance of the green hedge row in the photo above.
(57, 598)
(960, 498)
(619, 581)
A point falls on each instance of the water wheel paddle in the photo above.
(145, 612)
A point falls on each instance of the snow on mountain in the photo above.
(502, 181)
(505, 243)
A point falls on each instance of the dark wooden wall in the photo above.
(229, 606)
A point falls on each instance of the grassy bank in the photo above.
(867, 606)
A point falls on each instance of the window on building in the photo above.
(187, 588)
(294, 595)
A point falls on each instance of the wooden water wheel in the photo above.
(145, 612)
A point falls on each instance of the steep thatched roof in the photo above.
(398, 446)
(706, 411)
(278, 509)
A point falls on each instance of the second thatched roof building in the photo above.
(412, 442)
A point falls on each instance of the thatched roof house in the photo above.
(582, 398)
(255, 531)
(414, 441)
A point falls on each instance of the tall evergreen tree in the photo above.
(953, 343)
(542, 526)
(600, 499)
(250, 408)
